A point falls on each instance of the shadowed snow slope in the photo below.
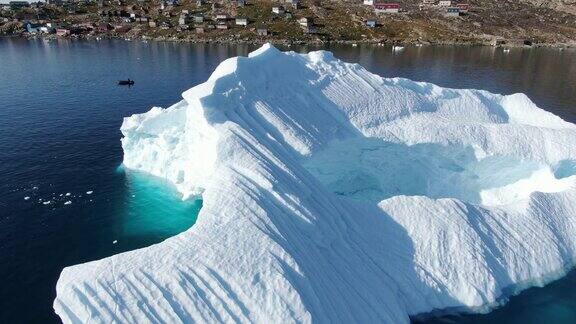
(333, 195)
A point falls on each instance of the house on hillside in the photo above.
(464, 7)
(371, 23)
(241, 21)
(198, 19)
(452, 12)
(183, 20)
(369, 2)
(305, 22)
(33, 28)
(279, 10)
(241, 3)
(221, 17)
(387, 8)
(445, 3)
(44, 30)
(293, 3)
(262, 31)
(62, 32)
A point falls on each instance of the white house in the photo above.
(445, 3)
(293, 3)
(305, 22)
(279, 10)
(369, 2)
(183, 20)
(242, 21)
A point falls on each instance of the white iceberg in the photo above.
(331, 194)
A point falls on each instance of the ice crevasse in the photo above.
(331, 194)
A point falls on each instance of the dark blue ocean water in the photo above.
(60, 113)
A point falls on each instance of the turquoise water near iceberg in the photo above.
(154, 209)
(60, 114)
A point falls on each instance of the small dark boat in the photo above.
(126, 82)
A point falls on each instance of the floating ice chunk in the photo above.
(26, 198)
(68, 202)
(68, 194)
(47, 202)
(115, 241)
(331, 194)
(89, 192)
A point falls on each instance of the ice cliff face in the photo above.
(333, 195)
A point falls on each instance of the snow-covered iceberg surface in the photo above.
(334, 195)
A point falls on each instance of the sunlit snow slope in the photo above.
(333, 195)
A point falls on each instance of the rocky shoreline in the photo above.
(517, 43)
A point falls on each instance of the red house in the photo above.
(463, 7)
(387, 7)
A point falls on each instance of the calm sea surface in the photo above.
(60, 114)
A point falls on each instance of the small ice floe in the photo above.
(89, 192)
(68, 202)
(68, 194)
(61, 195)
(115, 241)
(34, 188)
(26, 198)
(47, 202)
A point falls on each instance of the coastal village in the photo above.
(293, 21)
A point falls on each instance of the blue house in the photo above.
(371, 23)
(33, 28)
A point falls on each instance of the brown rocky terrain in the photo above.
(544, 22)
